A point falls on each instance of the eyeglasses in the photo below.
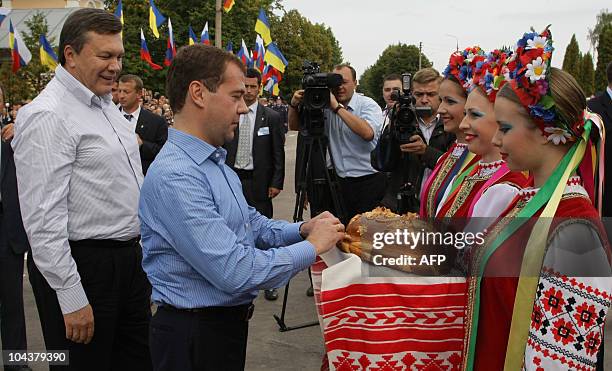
(421, 94)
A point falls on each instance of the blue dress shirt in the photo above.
(202, 244)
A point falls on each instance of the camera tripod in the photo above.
(321, 185)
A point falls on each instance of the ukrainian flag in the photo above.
(262, 27)
(119, 14)
(156, 19)
(47, 55)
(192, 36)
(275, 58)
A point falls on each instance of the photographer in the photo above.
(352, 124)
(411, 163)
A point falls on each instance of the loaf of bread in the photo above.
(407, 253)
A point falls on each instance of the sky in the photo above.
(365, 28)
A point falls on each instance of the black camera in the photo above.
(317, 86)
(404, 113)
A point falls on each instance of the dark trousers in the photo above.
(12, 318)
(264, 206)
(119, 294)
(361, 194)
(190, 341)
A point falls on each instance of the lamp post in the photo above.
(456, 38)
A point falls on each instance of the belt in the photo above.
(105, 243)
(236, 313)
(244, 174)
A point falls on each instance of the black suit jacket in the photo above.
(12, 224)
(153, 130)
(602, 105)
(268, 152)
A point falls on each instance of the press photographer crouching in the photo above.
(350, 123)
(411, 144)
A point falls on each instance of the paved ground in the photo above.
(268, 348)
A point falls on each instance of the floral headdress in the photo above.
(530, 68)
(493, 73)
(462, 65)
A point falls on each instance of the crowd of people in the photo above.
(147, 217)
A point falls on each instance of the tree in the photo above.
(572, 59)
(603, 18)
(398, 58)
(237, 24)
(300, 40)
(604, 56)
(587, 74)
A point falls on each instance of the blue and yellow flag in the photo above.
(156, 19)
(119, 14)
(47, 55)
(275, 58)
(262, 27)
(192, 36)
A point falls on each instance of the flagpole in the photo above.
(218, 13)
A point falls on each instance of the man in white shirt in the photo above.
(79, 177)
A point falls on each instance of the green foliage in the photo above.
(299, 39)
(603, 18)
(604, 56)
(398, 58)
(587, 74)
(572, 59)
(31, 79)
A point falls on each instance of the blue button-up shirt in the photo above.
(351, 153)
(202, 244)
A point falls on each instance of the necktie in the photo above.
(128, 117)
(243, 153)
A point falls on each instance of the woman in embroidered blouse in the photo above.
(489, 186)
(540, 287)
(453, 94)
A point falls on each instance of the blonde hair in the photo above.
(427, 75)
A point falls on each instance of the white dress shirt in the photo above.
(79, 177)
(135, 116)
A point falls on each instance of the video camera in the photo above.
(404, 113)
(316, 87)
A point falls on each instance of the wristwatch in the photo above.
(338, 107)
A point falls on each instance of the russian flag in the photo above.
(156, 19)
(258, 54)
(243, 54)
(47, 54)
(144, 52)
(262, 27)
(20, 54)
(192, 36)
(171, 48)
(204, 37)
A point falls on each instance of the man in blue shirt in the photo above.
(205, 251)
(352, 125)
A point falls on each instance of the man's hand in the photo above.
(273, 192)
(297, 98)
(139, 139)
(7, 132)
(333, 102)
(80, 325)
(323, 231)
(416, 145)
